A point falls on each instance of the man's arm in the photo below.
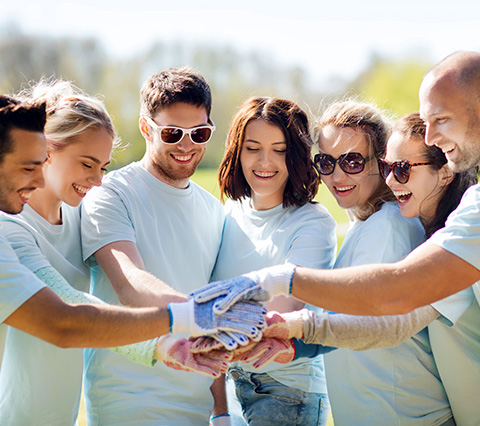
(46, 316)
(123, 265)
(427, 274)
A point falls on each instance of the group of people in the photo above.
(168, 290)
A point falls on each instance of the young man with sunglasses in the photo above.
(447, 263)
(148, 225)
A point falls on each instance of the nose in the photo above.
(390, 180)
(338, 174)
(185, 144)
(96, 178)
(38, 178)
(431, 135)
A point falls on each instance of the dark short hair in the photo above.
(412, 126)
(302, 183)
(171, 86)
(15, 114)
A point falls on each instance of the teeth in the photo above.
(182, 157)
(344, 188)
(401, 193)
(25, 195)
(265, 174)
(81, 189)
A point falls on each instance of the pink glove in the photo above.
(264, 352)
(284, 326)
(176, 353)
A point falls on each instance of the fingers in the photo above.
(269, 350)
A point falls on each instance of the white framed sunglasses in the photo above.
(174, 134)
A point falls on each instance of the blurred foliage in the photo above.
(233, 76)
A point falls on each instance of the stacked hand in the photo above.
(176, 353)
(258, 286)
(241, 322)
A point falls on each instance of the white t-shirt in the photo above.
(41, 383)
(455, 339)
(178, 234)
(394, 386)
(253, 239)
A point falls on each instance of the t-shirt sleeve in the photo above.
(104, 220)
(314, 244)
(24, 244)
(461, 234)
(17, 283)
(453, 307)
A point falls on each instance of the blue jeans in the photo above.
(267, 402)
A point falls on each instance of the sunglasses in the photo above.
(174, 134)
(400, 169)
(350, 162)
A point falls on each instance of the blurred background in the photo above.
(308, 51)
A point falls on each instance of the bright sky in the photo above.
(331, 38)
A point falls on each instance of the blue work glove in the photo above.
(200, 319)
(258, 286)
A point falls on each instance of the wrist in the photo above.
(220, 420)
(179, 314)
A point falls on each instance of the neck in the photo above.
(261, 203)
(47, 205)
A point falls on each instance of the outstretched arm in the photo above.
(427, 274)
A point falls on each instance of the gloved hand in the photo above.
(264, 352)
(222, 339)
(259, 286)
(199, 319)
(284, 326)
(175, 353)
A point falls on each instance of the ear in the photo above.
(144, 129)
(446, 175)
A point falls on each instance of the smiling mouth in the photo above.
(25, 196)
(344, 188)
(182, 158)
(81, 190)
(402, 196)
(264, 175)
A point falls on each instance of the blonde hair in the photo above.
(368, 119)
(70, 112)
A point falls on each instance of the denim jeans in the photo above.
(267, 402)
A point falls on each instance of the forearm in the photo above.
(219, 394)
(134, 286)
(141, 352)
(365, 332)
(47, 317)
(428, 274)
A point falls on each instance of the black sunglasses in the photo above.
(350, 162)
(400, 169)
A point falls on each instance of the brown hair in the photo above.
(412, 127)
(367, 119)
(174, 85)
(302, 184)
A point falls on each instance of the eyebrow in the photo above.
(95, 160)
(274, 143)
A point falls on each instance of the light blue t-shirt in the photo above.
(41, 383)
(455, 339)
(395, 386)
(178, 234)
(253, 239)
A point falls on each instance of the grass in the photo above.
(207, 178)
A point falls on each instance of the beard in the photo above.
(470, 157)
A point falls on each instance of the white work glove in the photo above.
(220, 420)
(258, 286)
(199, 319)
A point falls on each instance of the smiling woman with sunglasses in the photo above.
(382, 386)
